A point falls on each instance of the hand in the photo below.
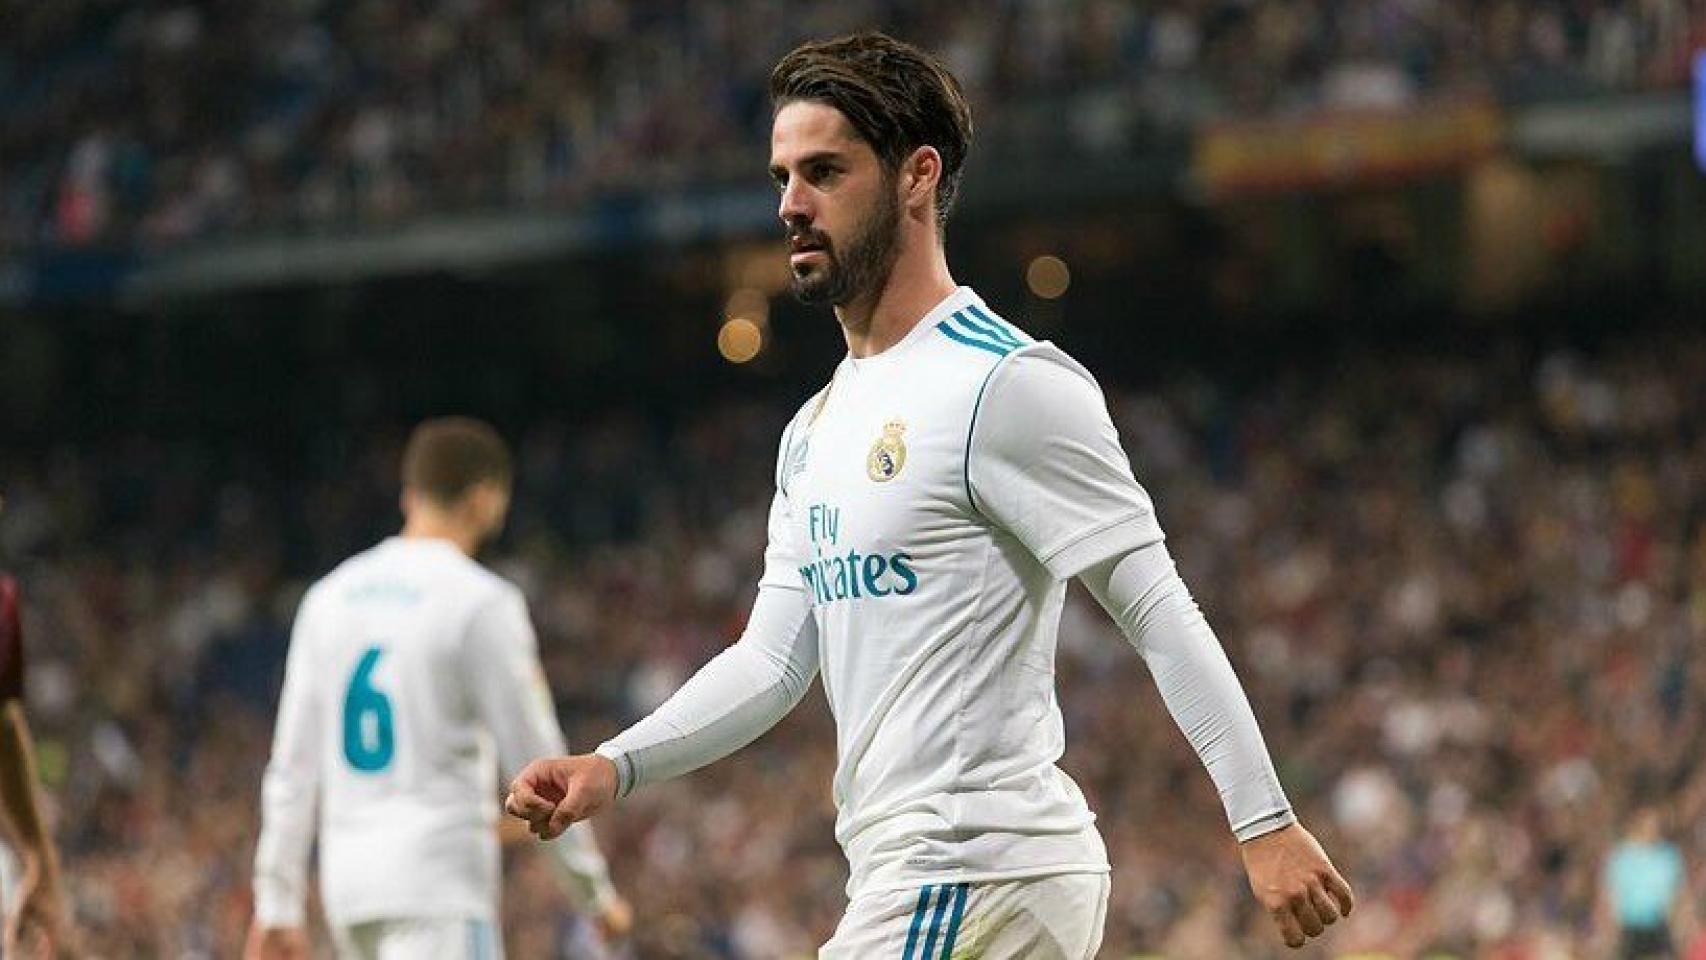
(276, 943)
(615, 920)
(553, 793)
(38, 927)
(1292, 877)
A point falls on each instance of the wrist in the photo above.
(622, 766)
(1265, 826)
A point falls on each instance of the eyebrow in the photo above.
(776, 169)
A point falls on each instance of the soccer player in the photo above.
(409, 666)
(1645, 901)
(931, 503)
(36, 924)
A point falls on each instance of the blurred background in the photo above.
(1400, 306)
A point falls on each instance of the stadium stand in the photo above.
(163, 122)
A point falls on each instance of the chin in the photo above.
(814, 287)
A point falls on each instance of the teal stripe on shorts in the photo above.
(917, 921)
(954, 920)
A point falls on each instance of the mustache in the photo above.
(807, 235)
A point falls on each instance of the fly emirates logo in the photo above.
(850, 575)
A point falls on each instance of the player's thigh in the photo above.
(876, 925)
(1049, 918)
(408, 939)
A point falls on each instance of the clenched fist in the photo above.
(1292, 877)
(553, 793)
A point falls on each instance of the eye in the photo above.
(821, 172)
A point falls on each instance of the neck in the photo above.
(434, 525)
(882, 319)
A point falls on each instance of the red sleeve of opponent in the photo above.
(11, 642)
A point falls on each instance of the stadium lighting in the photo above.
(739, 340)
(1048, 276)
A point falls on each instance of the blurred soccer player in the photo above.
(408, 665)
(931, 503)
(1646, 903)
(35, 924)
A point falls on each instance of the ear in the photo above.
(477, 502)
(486, 500)
(920, 173)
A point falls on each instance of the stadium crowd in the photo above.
(1467, 595)
(155, 123)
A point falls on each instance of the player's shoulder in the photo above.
(976, 351)
(967, 332)
(1039, 366)
(1037, 383)
(487, 586)
(348, 571)
(411, 570)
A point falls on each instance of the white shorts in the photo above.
(1040, 918)
(462, 938)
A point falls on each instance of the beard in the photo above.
(870, 256)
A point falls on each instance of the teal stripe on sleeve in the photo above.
(917, 921)
(1012, 333)
(989, 328)
(999, 350)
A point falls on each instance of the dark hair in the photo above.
(897, 97)
(446, 457)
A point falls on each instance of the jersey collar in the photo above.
(920, 330)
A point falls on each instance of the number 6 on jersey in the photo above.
(368, 742)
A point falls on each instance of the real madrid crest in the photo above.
(888, 454)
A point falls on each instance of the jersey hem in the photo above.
(1100, 543)
(980, 876)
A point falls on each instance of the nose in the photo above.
(793, 207)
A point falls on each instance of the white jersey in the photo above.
(933, 501)
(413, 673)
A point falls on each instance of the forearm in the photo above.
(281, 855)
(18, 794)
(1143, 593)
(526, 727)
(576, 861)
(581, 869)
(731, 701)
(290, 787)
